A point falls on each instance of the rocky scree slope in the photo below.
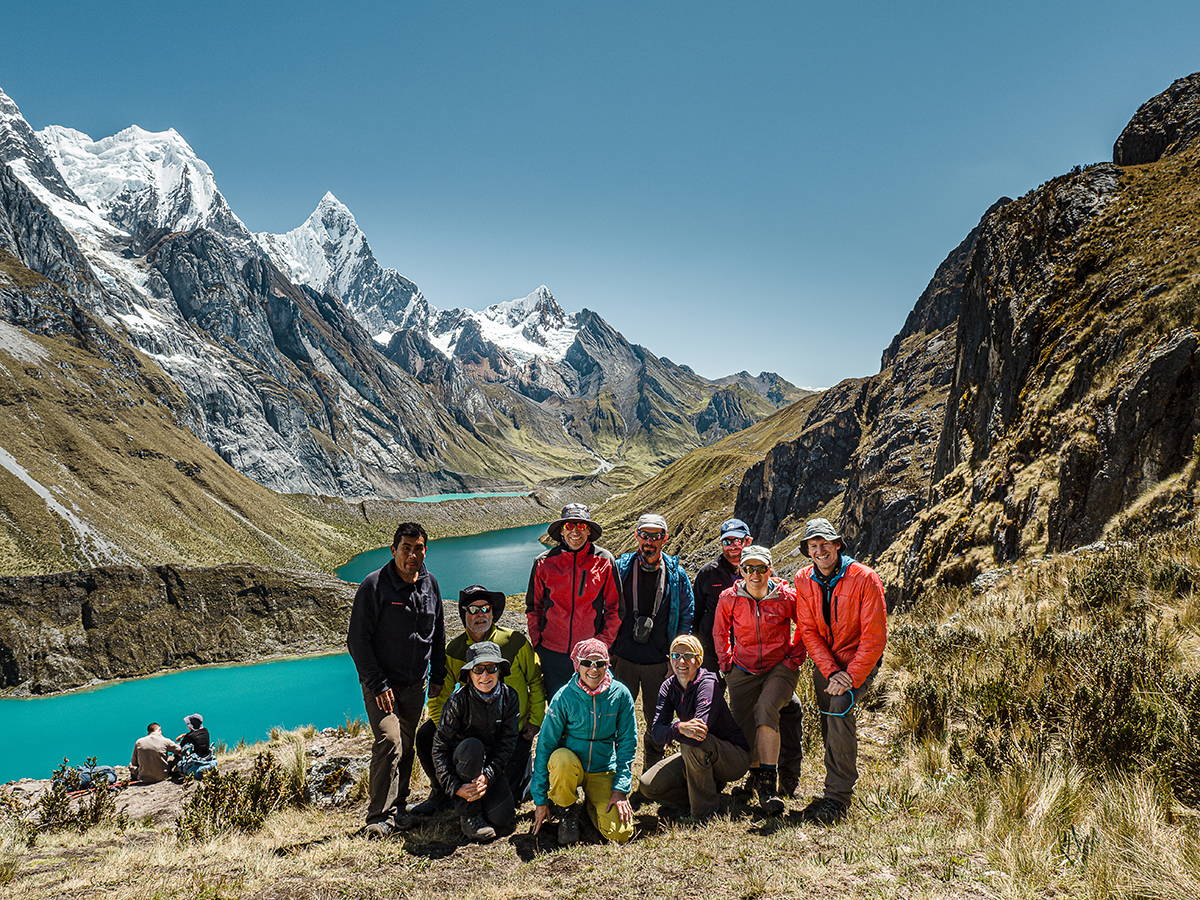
(1041, 394)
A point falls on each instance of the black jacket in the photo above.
(712, 578)
(396, 631)
(465, 716)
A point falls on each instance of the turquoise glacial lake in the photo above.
(438, 498)
(239, 702)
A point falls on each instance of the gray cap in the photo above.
(652, 520)
(756, 551)
(816, 528)
(483, 652)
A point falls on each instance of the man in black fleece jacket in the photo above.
(398, 643)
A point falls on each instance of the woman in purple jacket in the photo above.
(692, 712)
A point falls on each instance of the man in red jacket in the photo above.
(572, 596)
(843, 621)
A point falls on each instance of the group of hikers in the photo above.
(156, 757)
(715, 660)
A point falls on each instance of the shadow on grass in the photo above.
(769, 825)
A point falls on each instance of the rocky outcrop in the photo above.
(1164, 124)
(72, 628)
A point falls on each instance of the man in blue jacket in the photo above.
(396, 637)
(587, 740)
(656, 607)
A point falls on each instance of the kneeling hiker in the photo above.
(713, 751)
(843, 621)
(479, 610)
(588, 739)
(762, 665)
(474, 742)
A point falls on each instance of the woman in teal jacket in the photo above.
(588, 739)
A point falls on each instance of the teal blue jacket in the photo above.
(600, 730)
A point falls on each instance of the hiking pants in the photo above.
(392, 751)
(519, 771)
(695, 775)
(840, 735)
(567, 776)
(497, 805)
(646, 680)
(557, 670)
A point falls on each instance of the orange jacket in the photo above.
(756, 635)
(858, 615)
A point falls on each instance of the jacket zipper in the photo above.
(571, 613)
(592, 742)
(758, 632)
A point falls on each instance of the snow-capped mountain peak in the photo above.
(144, 181)
(534, 325)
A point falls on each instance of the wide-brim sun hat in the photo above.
(476, 595)
(574, 512)
(817, 528)
(484, 652)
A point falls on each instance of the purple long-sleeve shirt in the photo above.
(703, 699)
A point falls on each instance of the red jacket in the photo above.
(854, 638)
(761, 630)
(572, 596)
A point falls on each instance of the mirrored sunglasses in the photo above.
(755, 570)
(575, 525)
(651, 535)
(478, 610)
(732, 542)
(593, 663)
(486, 669)
(689, 657)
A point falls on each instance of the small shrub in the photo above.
(228, 802)
(63, 808)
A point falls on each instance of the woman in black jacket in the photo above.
(474, 742)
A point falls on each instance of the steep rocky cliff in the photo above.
(65, 630)
(1042, 393)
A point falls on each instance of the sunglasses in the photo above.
(651, 535)
(593, 663)
(755, 570)
(732, 542)
(486, 669)
(574, 526)
(689, 657)
(478, 610)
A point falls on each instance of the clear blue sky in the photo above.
(734, 185)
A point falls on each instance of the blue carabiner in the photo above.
(849, 691)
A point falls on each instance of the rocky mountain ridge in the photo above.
(1041, 394)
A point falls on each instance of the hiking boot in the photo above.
(431, 805)
(824, 811)
(789, 786)
(376, 831)
(568, 824)
(769, 800)
(476, 829)
(745, 790)
(403, 822)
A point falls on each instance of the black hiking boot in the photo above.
(824, 811)
(765, 788)
(431, 805)
(475, 828)
(789, 786)
(744, 791)
(568, 824)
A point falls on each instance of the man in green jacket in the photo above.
(479, 610)
(588, 740)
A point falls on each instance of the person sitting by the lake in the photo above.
(843, 622)
(713, 750)
(760, 658)
(196, 736)
(396, 637)
(656, 605)
(474, 742)
(713, 578)
(152, 754)
(572, 595)
(479, 610)
(588, 739)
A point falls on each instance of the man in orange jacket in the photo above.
(843, 622)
